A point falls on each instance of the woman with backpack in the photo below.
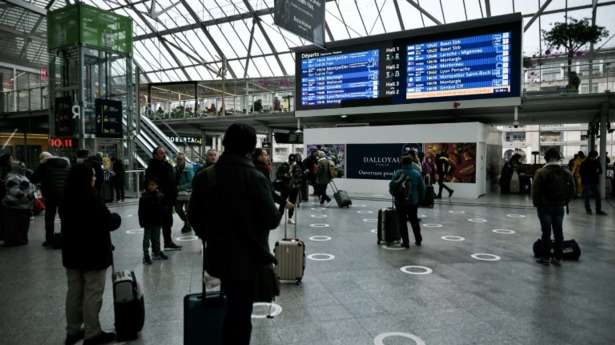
(408, 189)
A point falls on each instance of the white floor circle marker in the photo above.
(320, 238)
(321, 257)
(514, 215)
(392, 248)
(373, 231)
(477, 220)
(432, 225)
(453, 238)
(317, 209)
(456, 212)
(129, 216)
(379, 340)
(362, 206)
(365, 212)
(134, 232)
(271, 309)
(319, 216)
(321, 226)
(485, 257)
(416, 270)
(422, 216)
(370, 220)
(504, 231)
(186, 238)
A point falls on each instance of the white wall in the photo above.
(467, 132)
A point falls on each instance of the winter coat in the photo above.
(52, 176)
(234, 215)
(184, 177)
(86, 226)
(417, 186)
(323, 176)
(590, 171)
(164, 174)
(151, 209)
(553, 186)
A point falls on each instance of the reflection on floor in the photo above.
(443, 295)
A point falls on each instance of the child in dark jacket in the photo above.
(151, 208)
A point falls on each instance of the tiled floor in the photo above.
(362, 293)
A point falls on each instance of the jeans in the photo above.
(51, 207)
(588, 190)
(84, 300)
(407, 212)
(181, 207)
(551, 219)
(151, 234)
(238, 319)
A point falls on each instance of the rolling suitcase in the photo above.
(290, 254)
(388, 225)
(204, 316)
(128, 305)
(429, 194)
(15, 224)
(341, 196)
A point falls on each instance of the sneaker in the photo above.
(543, 261)
(172, 246)
(601, 213)
(555, 262)
(418, 244)
(101, 338)
(450, 194)
(72, 339)
(291, 221)
(147, 260)
(161, 256)
(589, 212)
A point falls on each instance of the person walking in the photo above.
(443, 168)
(323, 177)
(295, 184)
(232, 209)
(408, 189)
(151, 207)
(590, 172)
(119, 176)
(51, 174)
(160, 170)
(184, 175)
(576, 172)
(86, 255)
(552, 191)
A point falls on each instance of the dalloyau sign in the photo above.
(375, 161)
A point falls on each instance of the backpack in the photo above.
(401, 187)
(296, 177)
(557, 186)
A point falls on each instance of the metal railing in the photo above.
(24, 100)
(554, 79)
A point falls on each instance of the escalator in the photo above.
(148, 138)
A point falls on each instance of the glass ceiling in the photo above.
(180, 40)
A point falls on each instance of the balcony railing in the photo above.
(554, 79)
(24, 100)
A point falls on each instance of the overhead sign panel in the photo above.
(304, 18)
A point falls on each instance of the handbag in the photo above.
(267, 284)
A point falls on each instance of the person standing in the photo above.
(51, 174)
(443, 168)
(210, 159)
(576, 172)
(590, 172)
(86, 255)
(232, 210)
(183, 175)
(151, 208)
(310, 163)
(552, 191)
(119, 175)
(160, 170)
(295, 185)
(323, 177)
(408, 190)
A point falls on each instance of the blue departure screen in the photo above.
(332, 78)
(475, 65)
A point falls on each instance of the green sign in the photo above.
(89, 26)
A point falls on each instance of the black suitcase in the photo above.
(388, 226)
(570, 250)
(128, 305)
(341, 196)
(15, 224)
(428, 199)
(204, 317)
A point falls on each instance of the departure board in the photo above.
(459, 67)
(333, 77)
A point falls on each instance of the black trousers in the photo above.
(551, 220)
(51, 207)
(322, 192)
(441, 186)
(118, 185)
(590, 190)
(167, 224)
(293, 197)
(238, 318)
(408, 213)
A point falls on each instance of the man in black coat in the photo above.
(590, 174)
(232, 209)
(162, 171)
(51, 174)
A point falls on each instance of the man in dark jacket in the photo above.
(590, 174)
(51, 174)
(162, 171)
(232, 209)
(552, 190)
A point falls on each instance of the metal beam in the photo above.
(26, 35)
(28, 41)
(195, 17)
(189, 55)
(536, 15)
(488, 7)
(423, 11)
(28, 7)
(329, 33)
(401, 20)
(48, 6)
(245, 70)
(361, 17)
(206, 23)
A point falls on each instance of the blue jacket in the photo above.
(184, 179)
(417, 192)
